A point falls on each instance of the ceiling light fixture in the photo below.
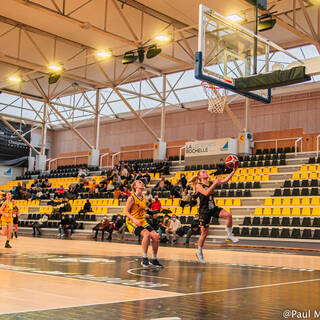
(235, 18)
(162, 37)
(103, 54)
(153, 51)
(55, 67)
(129, 57)
(15, 79)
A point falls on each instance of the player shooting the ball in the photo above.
(208, 208)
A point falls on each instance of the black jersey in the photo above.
(206, 202)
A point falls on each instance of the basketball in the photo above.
(232, 161)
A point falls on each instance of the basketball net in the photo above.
(216, 100)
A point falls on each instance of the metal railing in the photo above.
(70, 157)
(180, 153)
(276, 141)
(318, 137)
(101, 158)
(112, 158)
(296, 145)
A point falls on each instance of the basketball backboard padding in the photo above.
(278, 78)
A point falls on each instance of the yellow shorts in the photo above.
(133, 229)
(5, 222)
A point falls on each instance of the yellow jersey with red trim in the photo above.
(138, 209)
(8, 211)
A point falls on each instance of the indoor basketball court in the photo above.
(160, 160)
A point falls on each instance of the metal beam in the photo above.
(163, 110)
(308, 19)
(44, 130)
(148, 128)
(97, 120)
(7, 123)
(39, 89)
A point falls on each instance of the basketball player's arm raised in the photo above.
(129, 204)
(2, 209)
(226, 179)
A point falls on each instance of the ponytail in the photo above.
(194, 181)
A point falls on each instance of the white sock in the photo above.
(229, 231)
(200, 249)
(145, 255)
(154, 256)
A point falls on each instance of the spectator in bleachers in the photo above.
(147, 177)
(72, 193)
(162, 185)
(174, 225)
(104, 225)
(116, 179)
(82, 181)
(59, 193)
(17, 192)
(41, 223)
(176, 190)
(124, 173)
(72, 224)
(83, 172)
(117, 193)
(125, 194)
(165, 168)
(186, 198)
(64, 206)
(120, 226)
(148, 195)
(164, 225)
(156, 204)
(86, 207)
(46, 195)
(39, 194)
(64, 223)
(183, 181)
(92, 186)
(194, 229)
(154, 221)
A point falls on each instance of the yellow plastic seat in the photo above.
(266, 170)
(296, 176)
(313, 175)
(257, 177)
(304, 175)
(228, 202)
(250, 178)
(227, 209)
(105, 202)
(276, 211)
(179, 210)
(169, 202)
(194, 210)
(306, 211)
(285, 211)
(220, 202)
(268, 202)
(316, 211)
(295, 211)
(251, 171)
(236, 202)
(163, 202)
(100, 202)
(234, 178)
(176, 202)
(116, 202)
(296, 201)
(274, 170)
(265, 177)
(304, 168)
(312, 167)
(258, 170)
(267, 211)
(243, 171)
(94, 202)
(305, 201)
(242, 178)
(258, 211)
(277, 201)
(186, 210)
(315, 201)
(286, 201)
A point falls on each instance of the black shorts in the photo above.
(138, 230)
(205, 217)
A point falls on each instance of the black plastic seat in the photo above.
(256, 184)
(254, 232)
(240, 186)
(247, 221)
(296, 234)
(244, 232)
(295, 192)
(247, 193)
(306, 234)
(285, 221)
(316, 222)
(231, 193)
(264, 232)
(312, 160)
(239, 193)
(287, 184)
(314, 192)
(275, 233)
(314, 183)
(256, 221)
(295, 222)
(265, 221)
(183, 219)
(277, 193)
(286, 193)
(275, 221)
(248, 185)
(285, 233)
(236, 231)
(295, 183)
(316, 234)
(305, 183)
(305, 192)
(306, 222)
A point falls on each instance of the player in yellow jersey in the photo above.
(7, 218)
(137, 224)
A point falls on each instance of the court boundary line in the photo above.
(172, 296)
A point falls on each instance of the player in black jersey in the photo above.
(208, 208)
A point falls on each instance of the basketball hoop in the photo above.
(216, 100)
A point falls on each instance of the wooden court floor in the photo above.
(72, 279)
